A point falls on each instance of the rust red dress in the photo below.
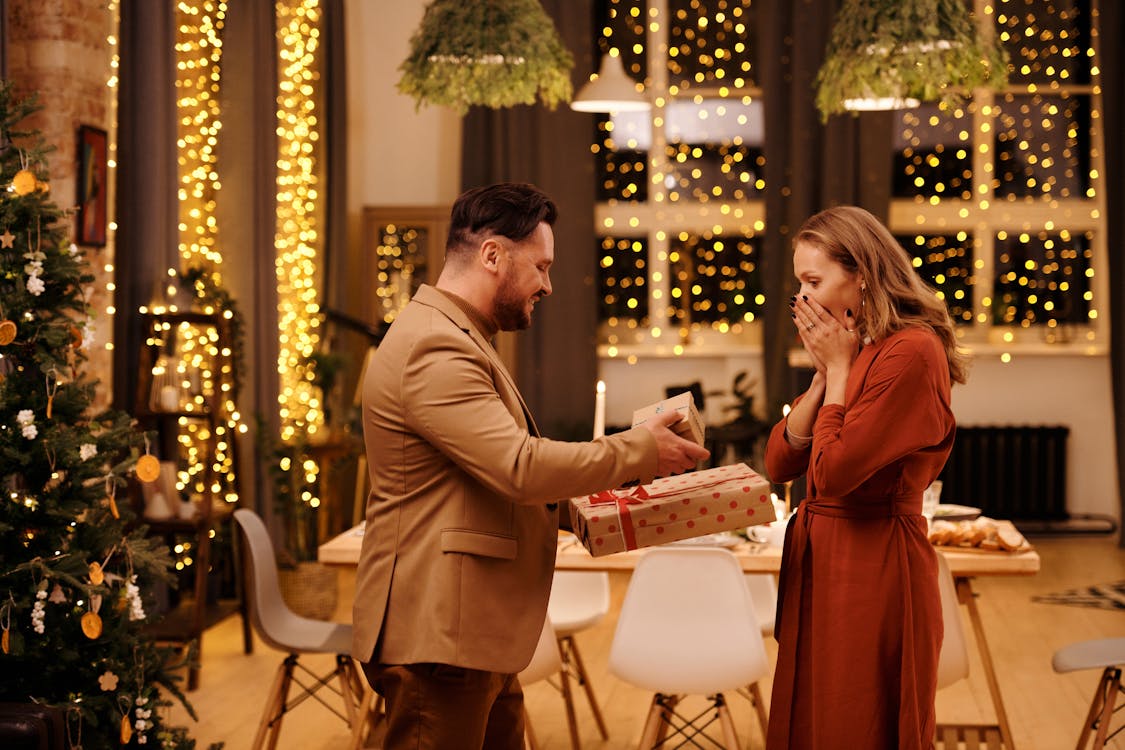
(859, 614)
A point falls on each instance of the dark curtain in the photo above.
(810, 166)
(147, 232)
(557, 357)
(335, 141)
(247, 216)
(1113, 121)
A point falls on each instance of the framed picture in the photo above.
(92, 186)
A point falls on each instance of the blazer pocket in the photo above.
(478, 543)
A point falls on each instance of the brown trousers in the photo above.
(442, 707)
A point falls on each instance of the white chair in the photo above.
(579, 600)
(953, 663)
(1107, 654)
(688, 627)
(544, 663)
(763, 593)
(287, 631)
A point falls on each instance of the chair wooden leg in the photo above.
(270, 728)
(359, 729)
(529, 733)
(571, 648)
(346, 674)
(759, 708)
(1107, 694)
(670, 703)
(730, 737)
(654, 722)
(1095, 709)
(282, 701)
(571, 719)
(370, 713)
(269, 709)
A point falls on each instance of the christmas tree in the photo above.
(73, 564)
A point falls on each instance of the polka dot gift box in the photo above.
(672, 508)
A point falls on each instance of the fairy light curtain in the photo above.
(183, 69)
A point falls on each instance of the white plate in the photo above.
(950, 512)
(721, 539)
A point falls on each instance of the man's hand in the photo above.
(674, 454)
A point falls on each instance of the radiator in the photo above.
(1016, 472)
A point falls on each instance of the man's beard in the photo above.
(511, 310)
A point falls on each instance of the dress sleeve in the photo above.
(902, 408)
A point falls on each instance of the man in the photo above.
(456, 565)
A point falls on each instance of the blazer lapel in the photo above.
(431, 296)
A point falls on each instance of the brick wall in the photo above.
(61, 49)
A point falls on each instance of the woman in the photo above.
(859, 615)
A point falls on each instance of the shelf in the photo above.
(149, 413)
(219, 513)
(188, 316)
(201, 427)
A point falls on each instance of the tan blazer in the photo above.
(459, 550)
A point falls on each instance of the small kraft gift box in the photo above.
(689, 428)
(671, 509)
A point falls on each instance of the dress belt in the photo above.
(796, 545)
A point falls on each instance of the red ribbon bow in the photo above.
(632, 497)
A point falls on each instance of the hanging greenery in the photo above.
(926, 50)
(494, 53)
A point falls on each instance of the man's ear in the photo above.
(490, 254)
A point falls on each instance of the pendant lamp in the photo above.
(492, 53)
(890, 54)
(611, 90)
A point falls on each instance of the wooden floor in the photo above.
(1045, 709)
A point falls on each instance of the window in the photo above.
(1000, 201)
(681, 191)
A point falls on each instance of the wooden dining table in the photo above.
(965, 563)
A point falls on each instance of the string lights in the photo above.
(203, 374)
(997, 198)
(400, 265)
(199, 47)
(1032, 145)
(299, 214)
(699, 151)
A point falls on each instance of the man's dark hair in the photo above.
(507, 209)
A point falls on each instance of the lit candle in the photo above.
(788, 485)
(599, 411)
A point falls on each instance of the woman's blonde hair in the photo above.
(895, 296)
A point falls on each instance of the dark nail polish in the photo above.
(806, 299)
(849, 312)
(793, 299)
(793, 315)
(792, 303)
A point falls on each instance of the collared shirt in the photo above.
(487, 328)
